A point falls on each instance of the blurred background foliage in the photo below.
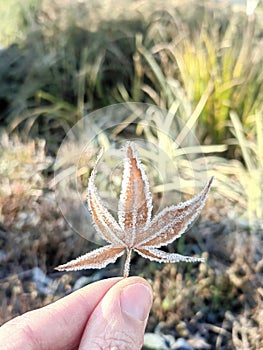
(200, 60)
(66, 60)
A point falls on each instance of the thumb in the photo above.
(119, 320)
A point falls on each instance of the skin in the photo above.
(109, 314)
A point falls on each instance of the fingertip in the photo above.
(136, 301)
(133, 280)
(121, 314)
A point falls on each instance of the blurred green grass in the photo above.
(76, 58)
(200, 61)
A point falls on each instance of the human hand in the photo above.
(109, 314)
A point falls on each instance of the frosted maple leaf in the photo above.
(135, 229)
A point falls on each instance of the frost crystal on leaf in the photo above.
(135, 230)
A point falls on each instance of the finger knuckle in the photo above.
(118, 341)
(25, 331)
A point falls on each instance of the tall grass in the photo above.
(250, 173)
(59, 72)
(190, 57)
(239, 180)
(201, 62)
(219, 60)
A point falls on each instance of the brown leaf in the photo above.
(135, 229)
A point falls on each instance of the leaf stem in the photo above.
(127, 264)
